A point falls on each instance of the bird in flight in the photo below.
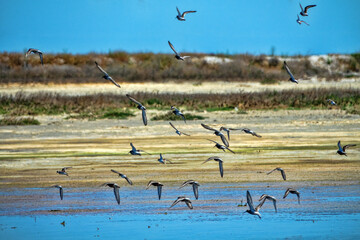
(292, 79)
(252, 210)
(221, 147)
(60, 189)
(220, 161)
(304, 11)
(292, 191)
(106, 76)
(156, 184)
(299, 21)
(63, 171)
(123, 176)
(116, 190)
(265, 197)
(248, 131)
(181, 16)
(177, 56)
(279, 169)
(341, 150)
(141, 107)
(177, 131)
(331, 102)
(35, 51)
(195, 186)
(135, 151)
(178, 113)
(227, 130)
(217, 133)
(163, 160)
(182, 199)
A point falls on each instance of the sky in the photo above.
(226, 26)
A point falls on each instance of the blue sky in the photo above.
(227, 26)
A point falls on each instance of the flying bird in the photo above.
(292, 191)
(141, 107)
(304, 12)
(217, 133)
(63, 171)
(177, 131)
(195, 186)
(221, 147)
(331, 102)
(163, 160)
(252, 210)
(265, 197)
(248, 131)
(181, 17)
(106, 76)
(281, 170)
(182, 199)
(227, 130)
(177, 56)
(292, 79)
(299, 21)
(35, 51)
(123, 176)
(116, 190)
(341, 150)
(220, 161)
(178, 113)
(156, 184)
(60, 189)
(135, 151)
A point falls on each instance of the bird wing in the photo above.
(159, 188)
(298, 196)
(288, 69)
(41, 58)
(175, 202)
(274, 202)
(283, 174)
(249, 201)
(307, 7)
(260, 205)
(172, 47)
(230, 150)
(208, 128)
(209, 159)
(113, 81)
(149, 184)
(100, 68)
(221, 168)
(117, 194)
(186, 183)
(28, 52)
(178, 11)
(301, 7)
(339, 146)
(196, 190)
(305, 22)
(347, 146)
(173, 126)
(298, 17)
(61, 193)
(223, 138)
(133, 100)
(184, 133)
(256, 135)
(144, 118)
(114, 171)
(186, 12)
(128, 180)
(286, 193)
(188, 203)
(132, 146)
(182, 115)
(271, 171)
(64, 169)
(213, 141)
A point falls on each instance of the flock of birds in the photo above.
(225, 140)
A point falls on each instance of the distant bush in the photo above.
(172, 117)
(18, 121)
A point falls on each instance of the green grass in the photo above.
(116, 114)
(172, 117)
(215, 109)
(268, 81)
(7, 121)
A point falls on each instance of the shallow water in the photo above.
(326, 211)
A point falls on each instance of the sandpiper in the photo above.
(279, 169)
(63, 171)
(178, 113)
(163, 160)
(195, 186)
(135, 151)
(227, 130)
(182, 199)
(61, 190)
(217, 159)
(299, 21)
(181, 17)
(35, 51)
(177, 131)
(106, 76)
(248, 131)
(116, 190)
(292, 191)
(221, 147)
(156, 184)
(341, 150)
(177, 56)
(123, 176)
(141, 107)
(265, 197)
(292, 79)
(304, 11)
(217, 133)
(252, 210)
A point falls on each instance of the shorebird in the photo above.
(141, 107)
(227, 130)
(135, 151)
(163, 160)
(177, 56)
(292, 191)
(106, 76)
(292, 79)
(331, 102)
(123, 176)
(35, 51)
(61, 190)
(341, 150)
(217, 159)
(222, 147)
(181, 17)
(299, 21)
(265, 197)
(63, 171)
(182, 199)
(248, 131)
(116, 190)
(156, 184)
(177, 131)
(217, 133)
(178, 113)
(279, 169)
(304, 12)
(195, 186)
(252, 210)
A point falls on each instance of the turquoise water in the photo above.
(326, 212)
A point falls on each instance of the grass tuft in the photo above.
(7, 121)
(172, 117)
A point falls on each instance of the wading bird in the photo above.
(178, 113)
(182, 199)
(279, 169)
(304, 11)
(63, 171)
(35, 51)
(220, 161)
(299, 21)
(217, 133)
(195, 186)
(60, 189)
(141, 107)
(123, 176)
(177, 131)
(106, 75)
(265, 197)
(163, 160)
(341, 150)
(292, 79)
(156, 184)
(227, 130)
(252, 210)
(248, 131)
(221, 147)
(116, 190)
(177, 56)
(135, 151)
(292, 191)
(181, 17)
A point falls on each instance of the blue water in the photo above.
(326, 212)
